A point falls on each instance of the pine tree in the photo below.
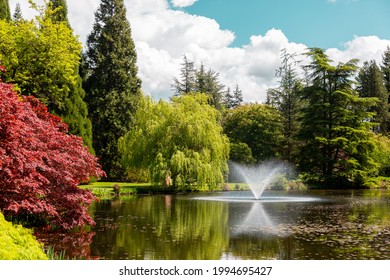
(195, 81)
(228, 99)
(214, 88)
(233, 100)
(4, 10)
(112, 87)
(200, 80)
(286, 100)
(237, 95)
(17, 16)
(371, 84)
(188, 75)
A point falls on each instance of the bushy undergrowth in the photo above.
(18, 243)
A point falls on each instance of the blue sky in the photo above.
(315, 23)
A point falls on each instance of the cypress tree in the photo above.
(4, 10)
(113, 88)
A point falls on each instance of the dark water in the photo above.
(313, 225)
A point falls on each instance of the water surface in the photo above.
(232, 225)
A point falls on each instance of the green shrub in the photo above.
(18, 243)
(280, 183)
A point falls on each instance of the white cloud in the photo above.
(363, 48)
(162, 36)
(183, 3)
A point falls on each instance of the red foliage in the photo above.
(41, 165)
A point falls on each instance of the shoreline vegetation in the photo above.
(111, 190)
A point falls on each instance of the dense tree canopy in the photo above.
(371, 84)
(182, 141)
(337, 146)
(42, 58)
(112, 86)
(257, 126)
(41, 165)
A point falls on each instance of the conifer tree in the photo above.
(233, 100)
(214, 88)
(188, 76)
(371, 84)
(228, 100)
(4, 10)
(386, 68)
(61, 8)
(287, 101)
(17, 16)
(193, 81)
(337, 149)
(113, 88)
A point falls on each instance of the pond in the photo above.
(350, 224)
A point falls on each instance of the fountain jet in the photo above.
(261, 176)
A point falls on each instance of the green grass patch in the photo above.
(121, 189)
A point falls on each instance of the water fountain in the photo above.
(260, 177)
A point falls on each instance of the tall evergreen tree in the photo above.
(193, 81)
(188, 75)
(371, 84)
(214, 88)
(200, 80)
(386, 68)
(233, 100)
(112, 87)
(338, 146)
(4, 10)
(17, 16)
(287, 101)
(228, 99)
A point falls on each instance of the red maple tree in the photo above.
(41, 165)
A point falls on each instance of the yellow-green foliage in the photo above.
(182, 141)
(17, 243)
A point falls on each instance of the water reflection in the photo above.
(160, 228)
(256, 221)
(337, 225)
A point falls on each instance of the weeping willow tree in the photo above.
(181, 143)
